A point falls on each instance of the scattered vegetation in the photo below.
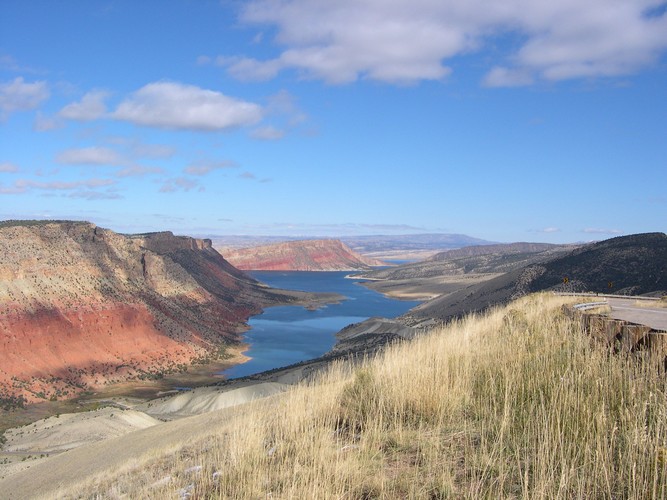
(10, 402)
(517, 403)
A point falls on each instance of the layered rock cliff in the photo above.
(304, 255)
(81, 306)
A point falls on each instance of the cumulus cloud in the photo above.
(18, 95)
(8, 167)
(95, 155)
(407, 41)
(90, 107)
(204, 167)
(174, 105)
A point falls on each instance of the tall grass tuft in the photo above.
(515, 403)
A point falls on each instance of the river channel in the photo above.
(285, 335)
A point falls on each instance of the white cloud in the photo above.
(138, 170)
(90, 107)
(62, 185)
(20, 96)
(179, 184)
(595, 230)
(548, 230)
(87, 194)
(174, 105)
(153, 150)
(204, 167)
(46, 123)
(284, 104)
(406, 41)
(267, 133)
(88, 186)
(135, 148)
(94, 155)
(8, 63)
(11, 190)
(247, 69)
(504, 77)
(8, 167)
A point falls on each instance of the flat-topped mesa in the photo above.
(82, 305)
(303, 255)
(165, 242)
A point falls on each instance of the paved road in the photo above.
(626, 309)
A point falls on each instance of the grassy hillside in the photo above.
(515, 403)
(628, 265)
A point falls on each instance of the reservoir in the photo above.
(285, 335)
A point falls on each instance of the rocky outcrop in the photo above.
(370, 335)
(81, 306)
(306, 255)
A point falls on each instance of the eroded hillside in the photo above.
(304, 255)
(81, 306)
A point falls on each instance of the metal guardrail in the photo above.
(589, 305)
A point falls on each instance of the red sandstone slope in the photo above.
(81, 306)
(305, 255)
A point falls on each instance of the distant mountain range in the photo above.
(403, 246)
(632, 265)
(379, 243)
(303, 255)
(362, 244)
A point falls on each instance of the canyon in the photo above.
(82, 306)
(302, 255)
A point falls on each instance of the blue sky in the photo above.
(510, 121)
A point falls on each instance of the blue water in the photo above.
(285, 335)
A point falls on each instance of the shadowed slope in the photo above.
(630, 265)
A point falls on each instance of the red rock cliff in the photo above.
(305, 255)
(81, 306)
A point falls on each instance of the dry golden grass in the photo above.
(516, 403)
(652, 304)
